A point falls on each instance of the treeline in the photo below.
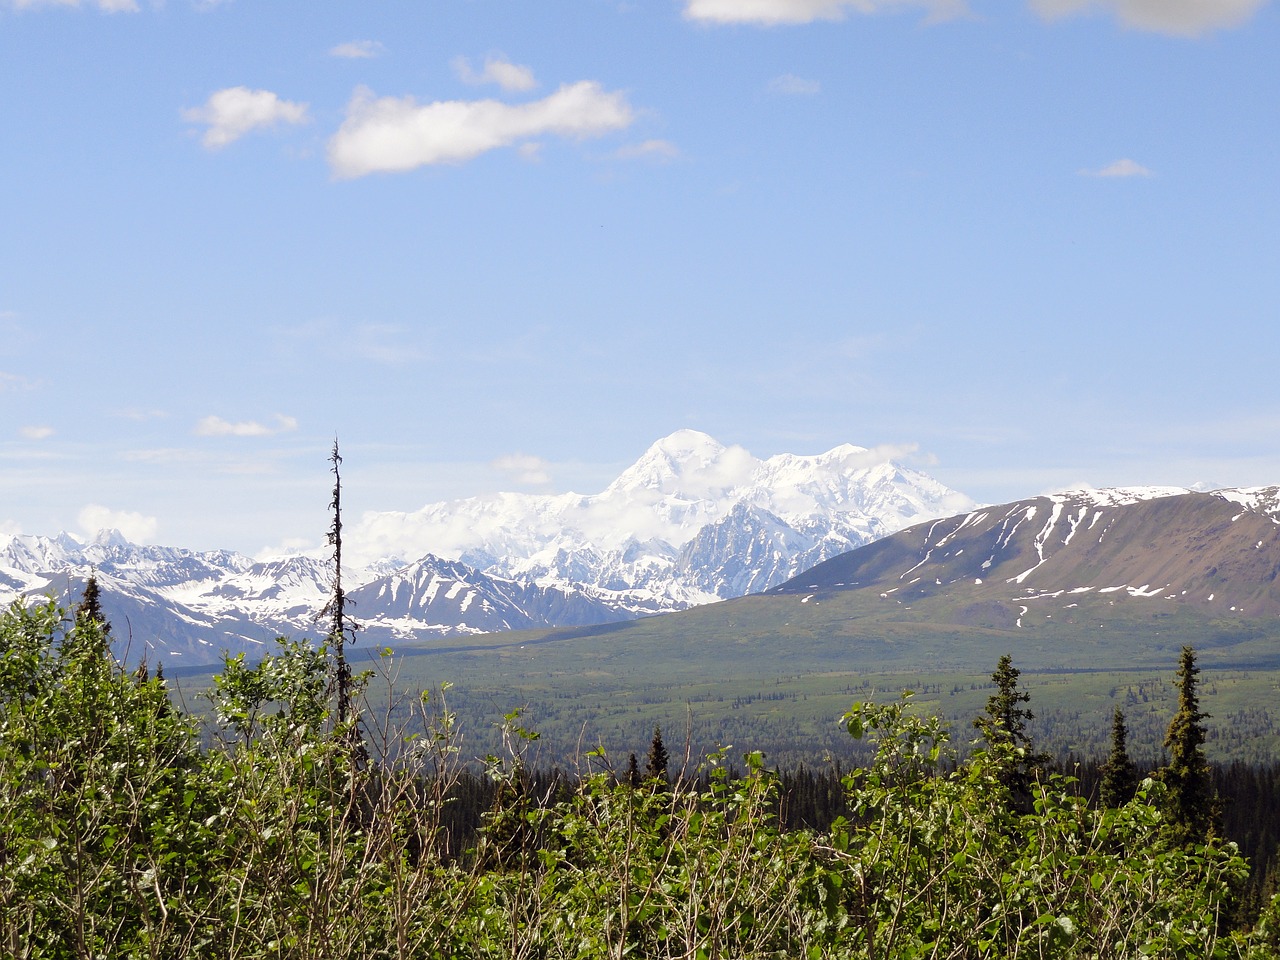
(813, 799)
(310, 827)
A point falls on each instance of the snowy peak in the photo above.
(667, 533)
(688, 465)
(1263, 500)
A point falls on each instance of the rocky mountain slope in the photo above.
(692, 521)
(1214, 554)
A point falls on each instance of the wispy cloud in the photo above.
(509, 76)
(231, 113)
(385, 343)
(35, 432)
(1187, 18)
(396, 134)
(15, 338)
(524, 469)
(791, 85)
(165, 456)
(140, 414)
(106, 6)
(1118, 168)
(775, 12)
(213, 426)
(14, 382)
(658, 150)
(136, 527)
(358, 50)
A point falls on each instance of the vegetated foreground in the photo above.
(291, 835)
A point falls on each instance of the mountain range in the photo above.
(691, 522)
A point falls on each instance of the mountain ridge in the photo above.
(1219, 550)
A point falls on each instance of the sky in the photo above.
(495, 245)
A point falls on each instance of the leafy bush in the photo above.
(125, 832)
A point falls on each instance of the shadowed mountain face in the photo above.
(1214, 553)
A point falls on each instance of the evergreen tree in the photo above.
(655, 767)
(1004, 726)
(90, 606)
(1119, 773)
(1193, 809)
(90, 632)
(633, 771)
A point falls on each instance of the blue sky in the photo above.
(500, 245)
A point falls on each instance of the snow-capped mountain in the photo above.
(655, 532)
(690, 522)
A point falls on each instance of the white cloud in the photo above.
(36, 432)
(524, 469)
(217, 427)
(792, 85)
(395, 134)
(358, 50)
(106, 6)
(509, 76)
(660, 150)
(235, 111)
(134, 526)
(1119, 168)
(1187, 18)
(770, 12)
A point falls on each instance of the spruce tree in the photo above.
(1004, 726)
(1192, 802)
(90, 606)
(655, 767)
(1119, 773)
(90, 630)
